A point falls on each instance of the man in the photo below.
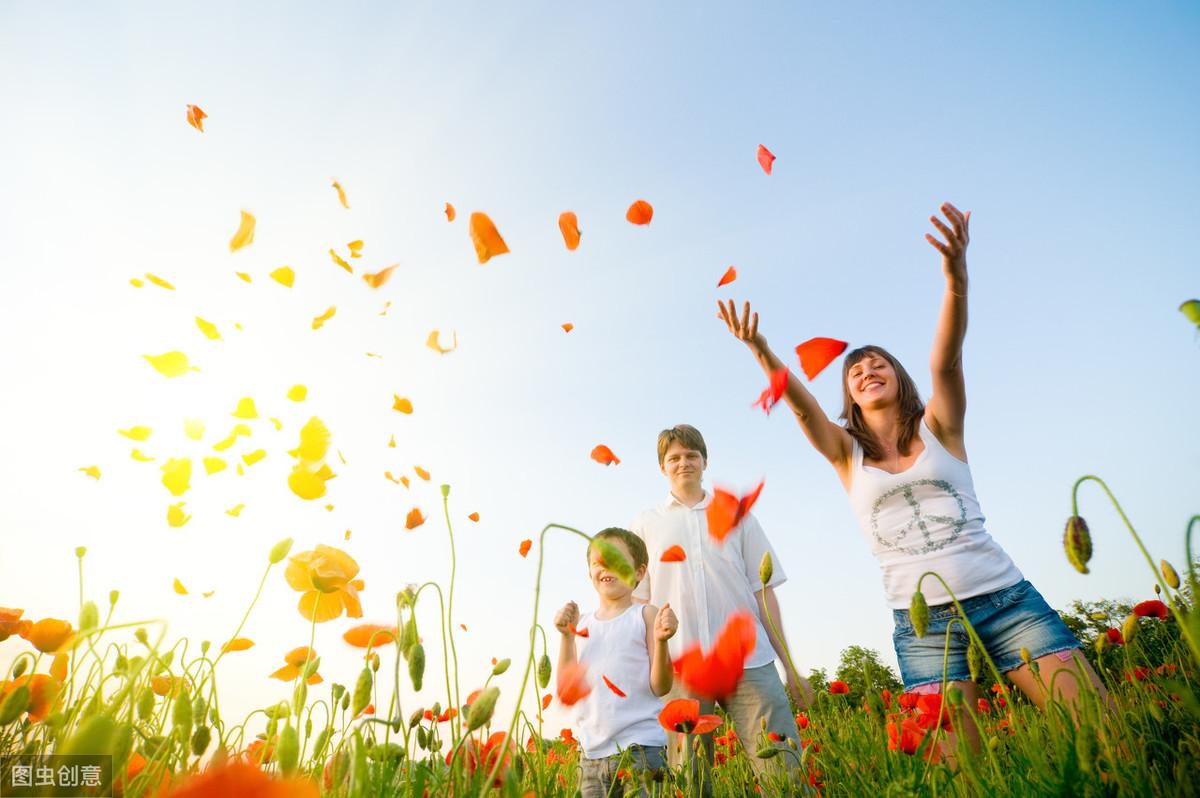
(716, 580)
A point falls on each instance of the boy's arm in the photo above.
(797, 686)
(569, 614)
(660, 627)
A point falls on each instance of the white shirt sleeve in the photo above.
(642, 591)
(754, 545)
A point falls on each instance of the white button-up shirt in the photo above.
(716, 580)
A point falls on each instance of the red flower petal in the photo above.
(546, 701)
(1154, 607)
(771, 396)
(578, 632)
(526, 545)
(573, 684)
(569, 226)
(673, 554)
(640, 212)
(604, 456)
(715, 675)
(817, 353)
(726, 511)
(727, 278)
(765, 159)
(620, 693)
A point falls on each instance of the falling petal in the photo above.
(673, 554)
(209, 329)
(329, 508)
(179, 588)
(402, 405)
(392, 442)
(388, 474)
(604, 456)
(253, 457)
(319, 321)
(170, 364)
(546, 699)
(640, 212)
(432, 343)
(135, 282)
(355, 248)
(236, 510)
(613, 687)
(765, 159)
(175, 515)
(578, 632)
(450, 212)
(1191, 311)
(136, 433)
(421, 472)
(315, 438)
(338, 260)
(284, 276)
(485, 236)
(372, 354)
(347, 536)
(136, 454)
(568, 327)
(524, 548)
(177, 475)
(243, 277)
(308, 481)
(297, 393)
(774, 391)
(404, 481)
(379, 278)
(213, 464)
(727, 278)
(726, 511)
(386, 305)
(568, 224)
(244, 235)
(160, 282)
(817, 353)
(463, 626)
(341, 194)
(474, 517)
(241, 429)
(237, 644)
(196, 117)
(208, 593)
(193, 428)
(222, 445)
(245, 409)
(92, 471)
(414, 519)
(341, 456)
(276, 423)
(241, 470)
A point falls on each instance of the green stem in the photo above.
(455, 722)
(1184, 628)
(787, 653)
(246, 616)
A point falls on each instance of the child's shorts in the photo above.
(603, 777)
(1006, 620)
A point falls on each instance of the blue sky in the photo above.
(1069, 131)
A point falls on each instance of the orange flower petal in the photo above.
(238, 644)
(771, 396)
(640, 212)
(450, 212)
(817, 353)
(341, 192)
(578, 632)
(569, 225)
(196, 117)
(485, 236)
(604, 456)
(340, 262)
(525, 546)
(726, 511)
(370, 634)
(474, 517)
(727, 278)
(379, 278)
(765, 159)
(402, 405)
(421, 472)
(620, 693)
(546, 701)
(568, 327)
(673, 554)
(414, 519)
(573, 684)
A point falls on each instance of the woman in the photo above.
(903, 464)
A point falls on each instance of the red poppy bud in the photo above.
(1077, 541)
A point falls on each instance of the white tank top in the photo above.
(604, 721)
(928, 519)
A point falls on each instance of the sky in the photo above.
(1069, 131)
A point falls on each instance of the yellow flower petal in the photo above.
(402, 405)
(388, 474)
(355, 248)
(321, 607)
(209, 329)
(136, 433)
(253, 457)
(319, 321)
(372, 354)
(297, 393)
(309, 483)
(432, 343)
(213, 464)
(241, 470)
(170, 364)
(175, 515)
(278, 424)
(238, 644)
(314, 441)
(193, 428)
(284, 276)
(338, 260)
(208, 593)
(341, 192)
(241, 429)
(135, 282)
(347, 537)
(392, 442)
(380, 277)
(244, 278)
(179, 588)
(136, 454)
(421, 472)
(221, 446)
(160, 282)
(177, 475)
(236, 510)
(245, 408)
(92, 471)
(245, 233)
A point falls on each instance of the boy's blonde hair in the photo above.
(636, 546)
(686, 434)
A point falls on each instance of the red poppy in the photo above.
(613, 687)
(765, 159)
(573, 684)
(770, 396)
(817, 353)
(567, 736)
(673, 554)
(886, 695)
(906, 737)
(486, 754)
(838, 687)
(983, 706)
(716, 675)
(775, 737)
(1139, 673)
(240, 780)
(683, 715)
(930, 708)
(802, 721)
(1154, 607)
(908, 700)
(726, 511)
(1114, 637)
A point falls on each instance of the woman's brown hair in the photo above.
(911, 406)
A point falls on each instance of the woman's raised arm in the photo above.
(948, 404)
(826, 437)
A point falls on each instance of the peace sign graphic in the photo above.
(915, 536)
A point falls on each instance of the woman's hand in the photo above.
(665, 623)
(957, 235)
(567, 617)
(744, 328)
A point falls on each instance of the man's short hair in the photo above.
(686, 434)
(636, 546)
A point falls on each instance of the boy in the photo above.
(623, 645)
(713, 581)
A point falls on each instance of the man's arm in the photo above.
(797, 685)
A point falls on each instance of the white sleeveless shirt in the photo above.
(927, 518)
(604, 721)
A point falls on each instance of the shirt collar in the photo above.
(672, 502)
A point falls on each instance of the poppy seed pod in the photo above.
(1025, 657)
(1170, 575)
(415, 718)
(1129, 629)
(200, 740)
(765, 568)
(113, 595)
(89, 616)
(362, 691)
(416, 666)
(80, 551)
(974, 661)
(287, 750)
(445, 491)
(918, 612)
(501, 666)
(1077, 541)
(543, 671)
(279, 551)
(482, 709)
